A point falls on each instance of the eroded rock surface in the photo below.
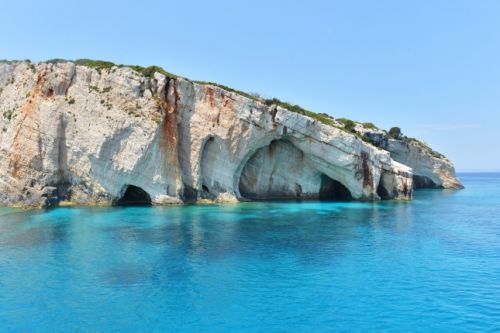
(430, 168)
(75, 134)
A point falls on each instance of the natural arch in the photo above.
(134, 196)
(423, 182)
(382, 192)
(385, 186)
(331, 189)
(282, 171)
(212, 168)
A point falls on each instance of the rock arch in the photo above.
(387, 188)
(249, 152)
(424, 182)
(280, 170)
(382, 191)
(213, 168)
(333, 190)
(133, 196)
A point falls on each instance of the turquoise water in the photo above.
(431, 265)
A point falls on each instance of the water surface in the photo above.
(431, 265)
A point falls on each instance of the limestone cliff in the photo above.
(83, 135)
(430, 168)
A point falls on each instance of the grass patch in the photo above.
(435, 153)
(349, 124)
(321, 117)
(100, 65)
(290, 107)
(96, 64)
(151, 70)
(56, 61)
(370, 126)
(239, 92)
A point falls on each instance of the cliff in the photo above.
(95, 135)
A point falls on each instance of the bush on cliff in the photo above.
(349, 125)
(395, 133)
(96, 64)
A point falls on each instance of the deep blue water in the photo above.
(431, 265)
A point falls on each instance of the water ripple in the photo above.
(432, 265)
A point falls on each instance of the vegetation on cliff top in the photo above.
(397, 134)
(99, 65)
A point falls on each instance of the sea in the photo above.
(429, 265)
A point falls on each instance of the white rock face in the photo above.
(75, 134)
(280, 170)
(430, 171)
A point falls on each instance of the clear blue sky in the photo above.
(431, 67)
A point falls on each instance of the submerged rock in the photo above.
(89, 136)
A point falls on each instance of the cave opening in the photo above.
(382, 192)
(134, 196)
(212, 157)
(424, 182)
(333, 190)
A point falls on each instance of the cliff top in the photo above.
(367, 131)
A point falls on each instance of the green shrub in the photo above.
(395, 132)
(56, 61)
(435, 153)
(349, 125)
(291, 107)
(96, 64)
(149, 72)
(410, 140)
(327, 120)
(370, 126)
(100, 65)
(136, 68)
(367, 139)
(325, 115)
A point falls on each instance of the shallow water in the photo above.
(431, 265)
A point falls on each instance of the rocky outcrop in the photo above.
(430, 168)
(80, 135)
